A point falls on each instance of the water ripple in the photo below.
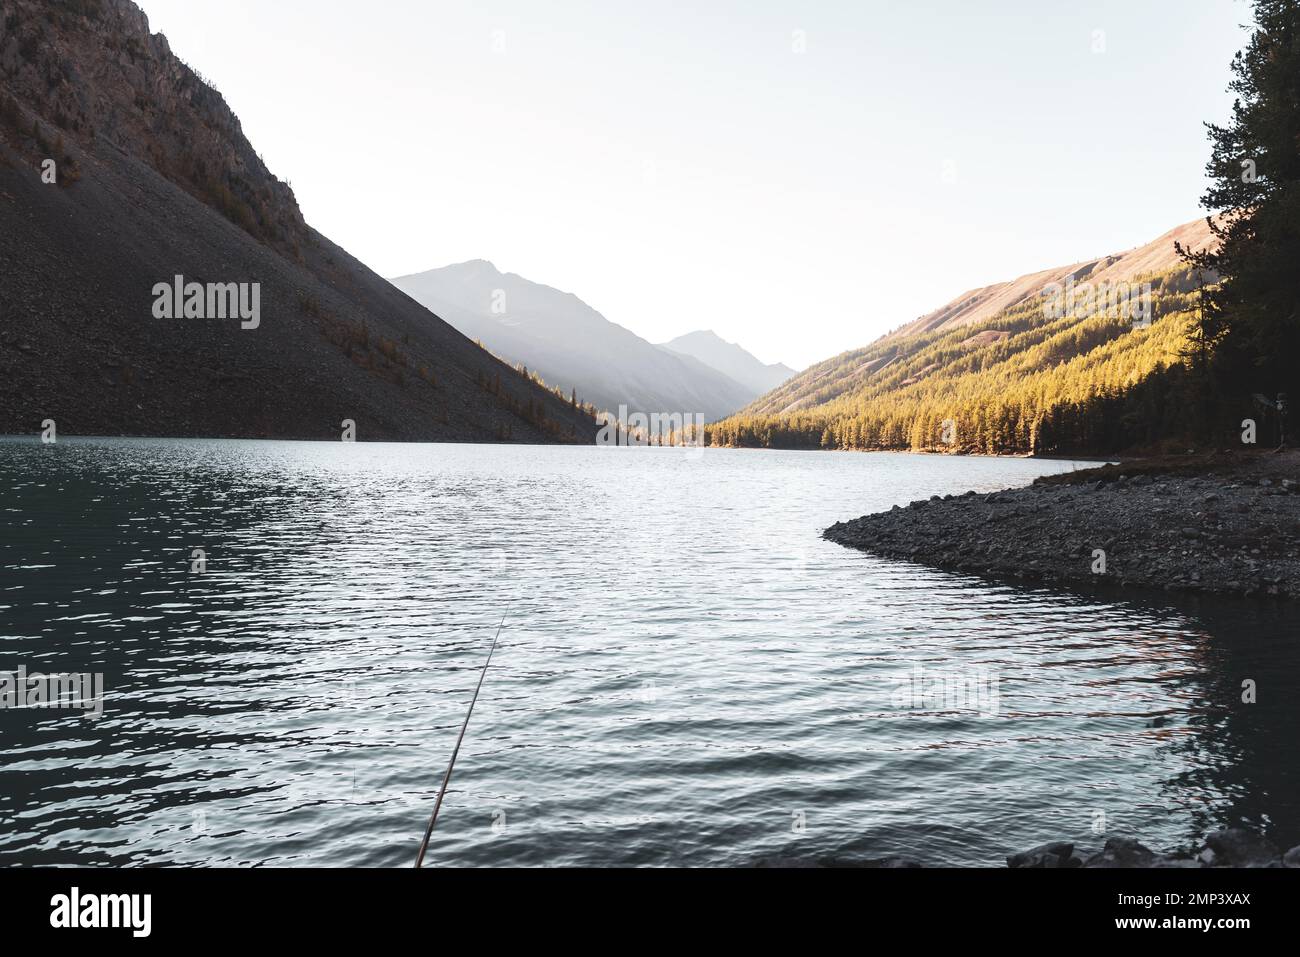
(688, 674)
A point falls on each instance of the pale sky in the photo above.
(682, 165)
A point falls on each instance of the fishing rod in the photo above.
(428, 831)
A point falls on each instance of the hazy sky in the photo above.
(683, 165)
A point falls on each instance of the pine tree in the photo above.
(1252, 316)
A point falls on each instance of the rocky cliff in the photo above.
(121, 168)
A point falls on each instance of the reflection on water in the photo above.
(688, 674)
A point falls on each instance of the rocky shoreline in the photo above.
(1232, 847)
(1224, 524)
(1228, 848)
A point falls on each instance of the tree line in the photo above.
(1226, 327)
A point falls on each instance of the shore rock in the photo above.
(1054, 855)
(1123, 852)
(1206, 526)
(1239, 848)
(1232, 847)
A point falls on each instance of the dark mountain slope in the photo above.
(157, 180)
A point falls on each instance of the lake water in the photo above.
(687, 674)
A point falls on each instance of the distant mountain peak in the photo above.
(702, 335)
(471, 267)
(571, 344)
(730, 359)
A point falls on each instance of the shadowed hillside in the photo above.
(154, 179)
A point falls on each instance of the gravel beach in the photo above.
(1222, 524)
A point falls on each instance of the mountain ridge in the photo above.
(155, 180)
(998, 370)
(731, 359)
(570, 344)
(983, 303)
